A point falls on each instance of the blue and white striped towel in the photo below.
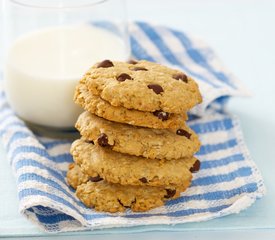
(228, 182)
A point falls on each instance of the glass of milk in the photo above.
(49, 45)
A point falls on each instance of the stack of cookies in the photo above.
(135, 150)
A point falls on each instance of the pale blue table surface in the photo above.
(243, 34)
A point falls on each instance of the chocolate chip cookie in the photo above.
(139, 141)
(102, 108)
(144, 86)
(111, 197)
(125, 169)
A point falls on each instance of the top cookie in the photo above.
(143, 86)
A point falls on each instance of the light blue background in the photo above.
(243, 34)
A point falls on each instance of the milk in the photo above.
(43, 68)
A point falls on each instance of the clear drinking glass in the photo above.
(48, 47)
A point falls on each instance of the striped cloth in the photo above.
(228, 182)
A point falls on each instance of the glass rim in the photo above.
(58, 7)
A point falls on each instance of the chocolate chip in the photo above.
(105, 64)
(123, 76)
(132, 62)
(95, 179)
(122, 203)
(180, 76)
(103, 140)
(139, 69)
(89, 141)
(184, 133)
(143, 180)
(161, 115)
(156, 88)
(170, 193)
(196, 166)
(133, 202)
